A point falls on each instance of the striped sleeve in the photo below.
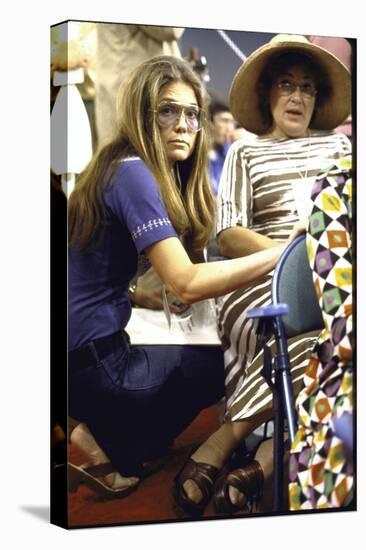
(234, 194)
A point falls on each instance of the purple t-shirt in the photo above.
(135, 218)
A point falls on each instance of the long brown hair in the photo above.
(191, 210)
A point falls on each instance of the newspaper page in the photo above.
(196, 326)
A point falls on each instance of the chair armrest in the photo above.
(272, 310)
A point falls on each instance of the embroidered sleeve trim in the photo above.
(149, 226)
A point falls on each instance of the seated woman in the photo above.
(144, 200)
(290, 93)
(321, 458)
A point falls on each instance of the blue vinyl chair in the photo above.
(294, 311)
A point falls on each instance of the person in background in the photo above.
(120, 48)
(222, 128)
(290, 94)
(342, 49)
(224, 131)
(75, 49)
(145, 199)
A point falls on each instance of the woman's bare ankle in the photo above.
(84, 440)
(218, 448)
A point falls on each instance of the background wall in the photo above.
(221, 59)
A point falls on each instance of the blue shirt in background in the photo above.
(216, 162)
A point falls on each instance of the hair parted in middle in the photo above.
(187, 193)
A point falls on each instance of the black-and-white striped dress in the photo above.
(259, 189)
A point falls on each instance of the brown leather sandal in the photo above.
(204, 476)
(248, 480)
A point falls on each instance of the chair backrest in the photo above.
(293, 285)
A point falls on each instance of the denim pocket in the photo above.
(150, 367)
(114, 365)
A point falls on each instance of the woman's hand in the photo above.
(298, 229)
(150, 299)
(153, 299)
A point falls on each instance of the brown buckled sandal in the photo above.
(204, 476)
(249, 480)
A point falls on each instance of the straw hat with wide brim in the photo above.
(244, 94)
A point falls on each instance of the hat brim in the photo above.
(244, 100)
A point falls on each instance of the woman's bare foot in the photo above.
(215, 452)
(236, 497)
(84, 440)
(264, 456)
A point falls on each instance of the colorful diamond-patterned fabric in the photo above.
(321, 465)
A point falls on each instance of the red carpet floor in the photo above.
(153, 501)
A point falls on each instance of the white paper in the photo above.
(197, 326)
(302, 193)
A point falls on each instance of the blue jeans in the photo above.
(137, 399)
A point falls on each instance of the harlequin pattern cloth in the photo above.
(321, 466)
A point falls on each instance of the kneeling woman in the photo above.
(145, 198)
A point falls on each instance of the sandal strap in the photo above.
(202, 474)
(100, 470)
(248, 480)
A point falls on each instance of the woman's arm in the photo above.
(194, 282)
(239, 241)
